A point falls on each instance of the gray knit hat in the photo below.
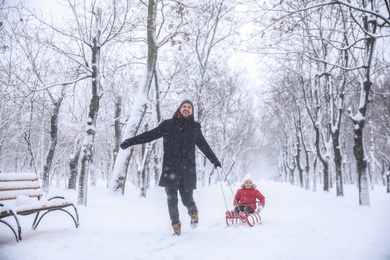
(187, 102)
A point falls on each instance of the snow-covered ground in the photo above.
(297, 224)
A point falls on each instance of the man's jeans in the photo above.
(186, 198)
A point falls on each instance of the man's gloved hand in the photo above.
(260, 208)
(125, 144)
(217, 164)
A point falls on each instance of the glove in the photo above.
(217, 164)
(125, 144)
(260, 208)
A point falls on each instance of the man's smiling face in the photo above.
(186, 110)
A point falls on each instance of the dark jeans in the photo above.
(244, 208)
(186, 198)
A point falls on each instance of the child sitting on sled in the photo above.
(246, 198)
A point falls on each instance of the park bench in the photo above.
(21, 195)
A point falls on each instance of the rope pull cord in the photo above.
(223, 193)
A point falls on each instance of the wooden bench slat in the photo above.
(13, 194)
(4, 213)
(17, 176)
(38, 207)
(14, 198)
(19, 185)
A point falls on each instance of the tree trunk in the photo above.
(371, 158)
(88, 144)
(325, 162)
(358, 149)
(335, 124)
(338, 161)
(145, 173)
(156, 168)
(335, 121)
(117, 126)
(74, 166)
(27, 138)
(383, 172)
(299, 144)
(52, 144)
(359, 119)
(307, 162)
(315, 174)
(140, 105)
(144, 169)
(298, 159)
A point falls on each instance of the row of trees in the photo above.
(79, 78)
(333, 76)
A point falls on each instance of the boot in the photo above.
(194, 219)
(176, 229)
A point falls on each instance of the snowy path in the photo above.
(297, 224)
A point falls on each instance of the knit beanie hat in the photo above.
(187, 102)
(247, 177)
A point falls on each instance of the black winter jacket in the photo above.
(180, 135)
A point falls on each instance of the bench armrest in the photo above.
(56, 197)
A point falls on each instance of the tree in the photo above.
(372, 22)
(139, 108)
(88, 143)
(333, 52)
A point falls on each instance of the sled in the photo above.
(243, 217)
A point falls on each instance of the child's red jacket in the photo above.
(247, 197)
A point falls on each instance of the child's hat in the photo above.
(247, 177)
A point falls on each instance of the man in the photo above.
(180, 135)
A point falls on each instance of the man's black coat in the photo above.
(180, 135)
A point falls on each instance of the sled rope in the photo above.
(223, 193)
(230, 187)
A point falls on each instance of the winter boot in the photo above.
(176, 229)
(194, 219)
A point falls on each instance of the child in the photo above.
(245, 199)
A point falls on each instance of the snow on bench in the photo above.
(12, 185)
(21, 194)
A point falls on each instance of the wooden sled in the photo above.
(243, 217)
